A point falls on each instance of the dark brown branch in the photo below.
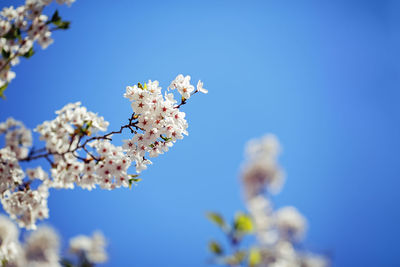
(132, 124)
(90, 154)
(49, 160)
(79, 157)
(184, 100)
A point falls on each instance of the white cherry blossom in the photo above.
(79, 155)
(93, 248)
(20, 28)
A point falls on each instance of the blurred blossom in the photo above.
(261, 171)
(312, 260)
(20, 28)
(290, 223)
(277, 231)
(93, 248)
(9, 244)
(42, 247)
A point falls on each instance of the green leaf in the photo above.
(5, 54)
(13, 33)
(133, 180)
(243, 223)
(86, 125)
(66, 263)
(81, 131)
(29, 53)
(55, 18)
(215, 248)
(62, 25)
(166, 139)
(240, 255)
(217, 219)
(2, 89)
(254, 257)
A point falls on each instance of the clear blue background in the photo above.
(322, 75)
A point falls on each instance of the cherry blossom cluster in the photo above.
(79, 155)
(91, 248)
(18, 137)
(42, 248)
(160, 122)
(261, 171)
(278, 232)
(20, 28)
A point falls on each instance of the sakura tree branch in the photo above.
(184, 100)
(131, 124)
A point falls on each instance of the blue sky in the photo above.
(321, 75)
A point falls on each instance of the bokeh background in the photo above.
(321, 75)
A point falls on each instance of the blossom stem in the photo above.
(132, 124)
(183, 101)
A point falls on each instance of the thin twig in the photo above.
(132, 124)
(184, 100)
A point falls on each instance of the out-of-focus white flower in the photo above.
(18, 137)
(277, 231)
(68, 2)
(11, 174)
(261, 172)
(45, 39)
(29, 21)
(37, 173)
(265, 147)
(92, 247)
(9, 245)
(26, 207)
(261, 210)
(42, 248)
(290, 223)
(312, 260)
(9, 12)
